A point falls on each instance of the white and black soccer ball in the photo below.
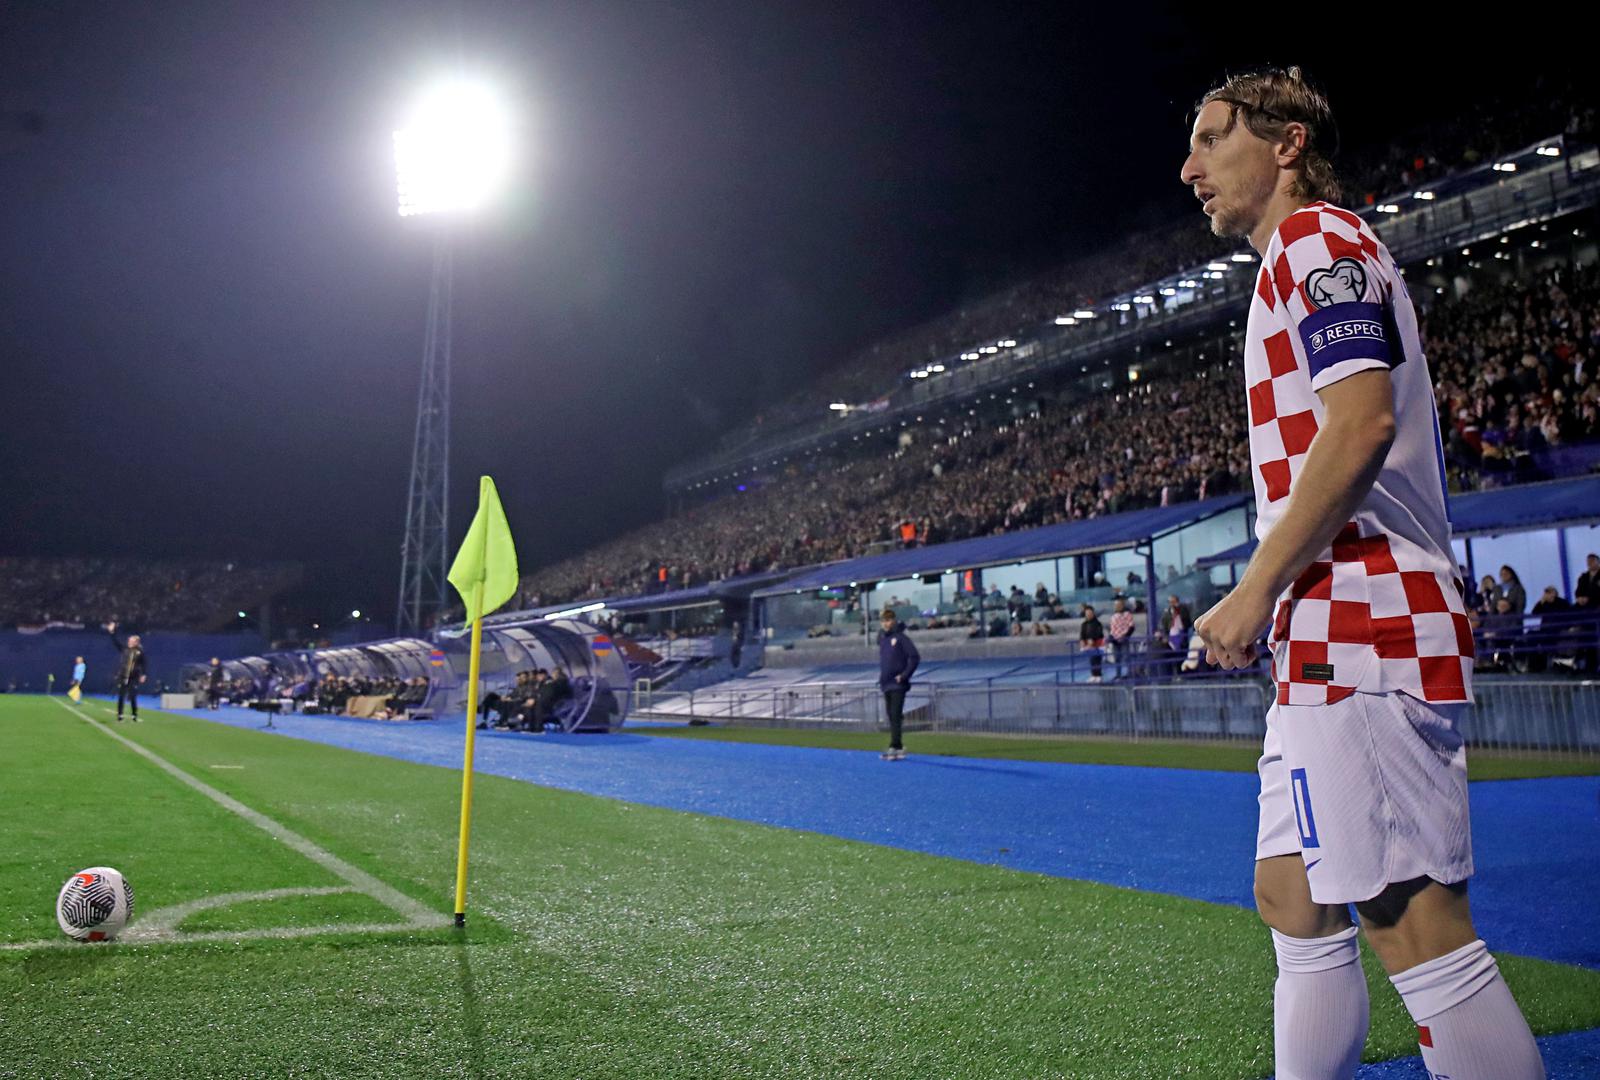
(94, 905)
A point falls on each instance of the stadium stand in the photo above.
(190, 595)
(1514, 368)
(1475, 136)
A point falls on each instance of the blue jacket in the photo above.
(896, 657)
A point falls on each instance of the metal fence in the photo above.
(1545, 716)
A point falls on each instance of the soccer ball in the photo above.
(94, 905)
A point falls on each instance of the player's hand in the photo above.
(142, 678)
(111, 627)
(1232, 628)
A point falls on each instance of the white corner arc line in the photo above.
(417, 913)
(163, 923)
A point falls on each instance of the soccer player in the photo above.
(130, 670)
(1363, 772)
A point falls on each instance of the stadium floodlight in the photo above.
(1066, 320)
(1008, 343)
(839, 406)
(1505, 166)
(1423, 196)
(1243, 256)
(356, 614)
(1548, 151)
(1083, 314)
(1216, 267)
(242, 615)
(1388, 208)
(454, 151)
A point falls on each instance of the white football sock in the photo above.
(1319, 1007)
(1468, 1024)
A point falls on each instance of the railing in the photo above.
(1534, 644)
(807, 706)
(1544, 716)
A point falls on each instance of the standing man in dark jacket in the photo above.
(897, 662)
(130, 670)
(214, 681)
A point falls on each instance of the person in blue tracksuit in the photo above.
(897, 662)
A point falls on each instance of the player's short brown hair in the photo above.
(886, 614)
(1270, 99)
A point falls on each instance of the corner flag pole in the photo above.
(466, 767)
(485, 574)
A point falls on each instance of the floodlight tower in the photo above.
(450, 157)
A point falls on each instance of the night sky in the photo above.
(211, 317)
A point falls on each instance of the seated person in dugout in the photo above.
(502, 710)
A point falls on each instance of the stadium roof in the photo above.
(1069, 538)
(1575, 501)
(1527, 506)
(734, 588)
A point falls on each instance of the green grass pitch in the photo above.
(605, 939)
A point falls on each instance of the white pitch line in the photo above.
(276, 933)
(417, 913)
(164, 922)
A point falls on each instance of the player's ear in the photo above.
(1292, 144)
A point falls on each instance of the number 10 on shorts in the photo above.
(1302, 808)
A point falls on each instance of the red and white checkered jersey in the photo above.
(1380, 609)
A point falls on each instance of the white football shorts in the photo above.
(1369, 790)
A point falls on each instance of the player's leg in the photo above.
(1468, 1025)
(894, 704)
(122, 690)
(1319, 1002)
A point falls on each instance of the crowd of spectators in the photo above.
(1514, 373)
(1553, 632)
(1513, 367)
(163, 594)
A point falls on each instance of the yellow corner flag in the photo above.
(487, 557)
(485, 574)
(74, 693)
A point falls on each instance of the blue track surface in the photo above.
(1186, 832)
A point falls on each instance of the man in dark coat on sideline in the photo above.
(215, 678)
(897, 662)
(130, 670)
